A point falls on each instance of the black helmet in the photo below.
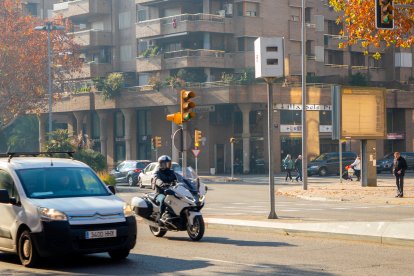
(165, 162)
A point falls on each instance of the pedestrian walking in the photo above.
(298, 167)
(288, 165)
(357, 167)
(400, 165)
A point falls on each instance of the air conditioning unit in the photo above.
(221, 13)
(229, 9)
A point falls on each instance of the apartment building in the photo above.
(40, 8)
(209, 44)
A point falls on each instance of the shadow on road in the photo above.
(222, 240)
(100, 264)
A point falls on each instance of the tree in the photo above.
(111, 86)
(358, 19)
(23, 56)
(23, 134)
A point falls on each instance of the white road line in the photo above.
(289, 210)
(340, 208)
(229, 262)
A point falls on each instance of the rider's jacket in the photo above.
(167, 176)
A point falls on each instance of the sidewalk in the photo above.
(352, 191)
(383, 232)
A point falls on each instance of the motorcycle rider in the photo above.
(164, 177)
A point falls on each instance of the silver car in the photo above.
(146, 175)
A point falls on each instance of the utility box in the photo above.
(269, 57)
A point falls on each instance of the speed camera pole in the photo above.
(269, 65)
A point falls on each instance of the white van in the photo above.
(51, 206)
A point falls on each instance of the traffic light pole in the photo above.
(304, 123)
(184, 149)
(270, 140)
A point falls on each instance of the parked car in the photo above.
(128, 171)
(56, 206)
(328, 163)
(387, 162)
(146, 175)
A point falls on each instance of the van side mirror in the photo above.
(4, 196)
(112, 189)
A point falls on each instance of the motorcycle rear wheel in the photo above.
(157, 231)
(196, 231)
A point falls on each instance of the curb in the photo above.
(387, 233)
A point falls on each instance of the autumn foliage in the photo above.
(23, 61)
(358, 20)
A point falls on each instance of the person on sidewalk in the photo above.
(288, 165)
(400, 165)
(357, 167)
(298, 167)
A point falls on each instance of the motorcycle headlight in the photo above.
(128, 210)
(47, 214)
(201, 198)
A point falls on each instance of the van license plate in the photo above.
(100, 234)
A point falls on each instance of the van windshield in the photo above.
(61, 182)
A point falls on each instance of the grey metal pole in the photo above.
(304, 126)
(340, 161)
(269, 81)
(232, 160)
(184, 141)
(49, 72)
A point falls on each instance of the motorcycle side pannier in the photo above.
(142, 207)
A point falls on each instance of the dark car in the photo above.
(128, 171)
(328, 163)
(387, 162)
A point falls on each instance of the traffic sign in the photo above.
(196, 152)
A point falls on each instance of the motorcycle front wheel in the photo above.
(157, 231)
(196, 231)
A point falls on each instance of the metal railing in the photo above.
(194, 53)
(185, 17)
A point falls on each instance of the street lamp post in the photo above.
(304, 125)
(49, 27)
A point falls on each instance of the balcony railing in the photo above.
(186, 17)
(194, 53)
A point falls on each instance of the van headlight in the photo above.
(47, 214)
(128, 210)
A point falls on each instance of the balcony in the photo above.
(147, 2)
(332, 41)
(201, 58)
(295, 28)
(248, 26)
(93, 70)
(83, 8)
(183, 23)
(93, 38)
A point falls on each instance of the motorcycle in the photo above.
(183, 202)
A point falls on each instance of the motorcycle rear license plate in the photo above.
(100, 234)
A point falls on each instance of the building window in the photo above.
(248, 9)
(325, 118)
(124, 20)
(126, 53)
(246, 43)
(308, 15)
(144, 134)
(32, 9)
(141, 15)
(357, 59)
(334, 57)
(96, 130)
(119, 125)
(290, 117)
(334, 28)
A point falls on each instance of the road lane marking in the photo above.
(229, 262)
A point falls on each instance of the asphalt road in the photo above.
(224, 252)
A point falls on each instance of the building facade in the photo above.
(207, 46)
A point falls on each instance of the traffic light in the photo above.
(384, 14)
(157, 142)
(176, 118)
(187, 105)
(232, 140)
(197, 138)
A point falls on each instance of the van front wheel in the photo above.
(27, 252)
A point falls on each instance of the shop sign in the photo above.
(299, 107)
(325, 128)
(395, 136)
(298, 128)
(290, 128)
